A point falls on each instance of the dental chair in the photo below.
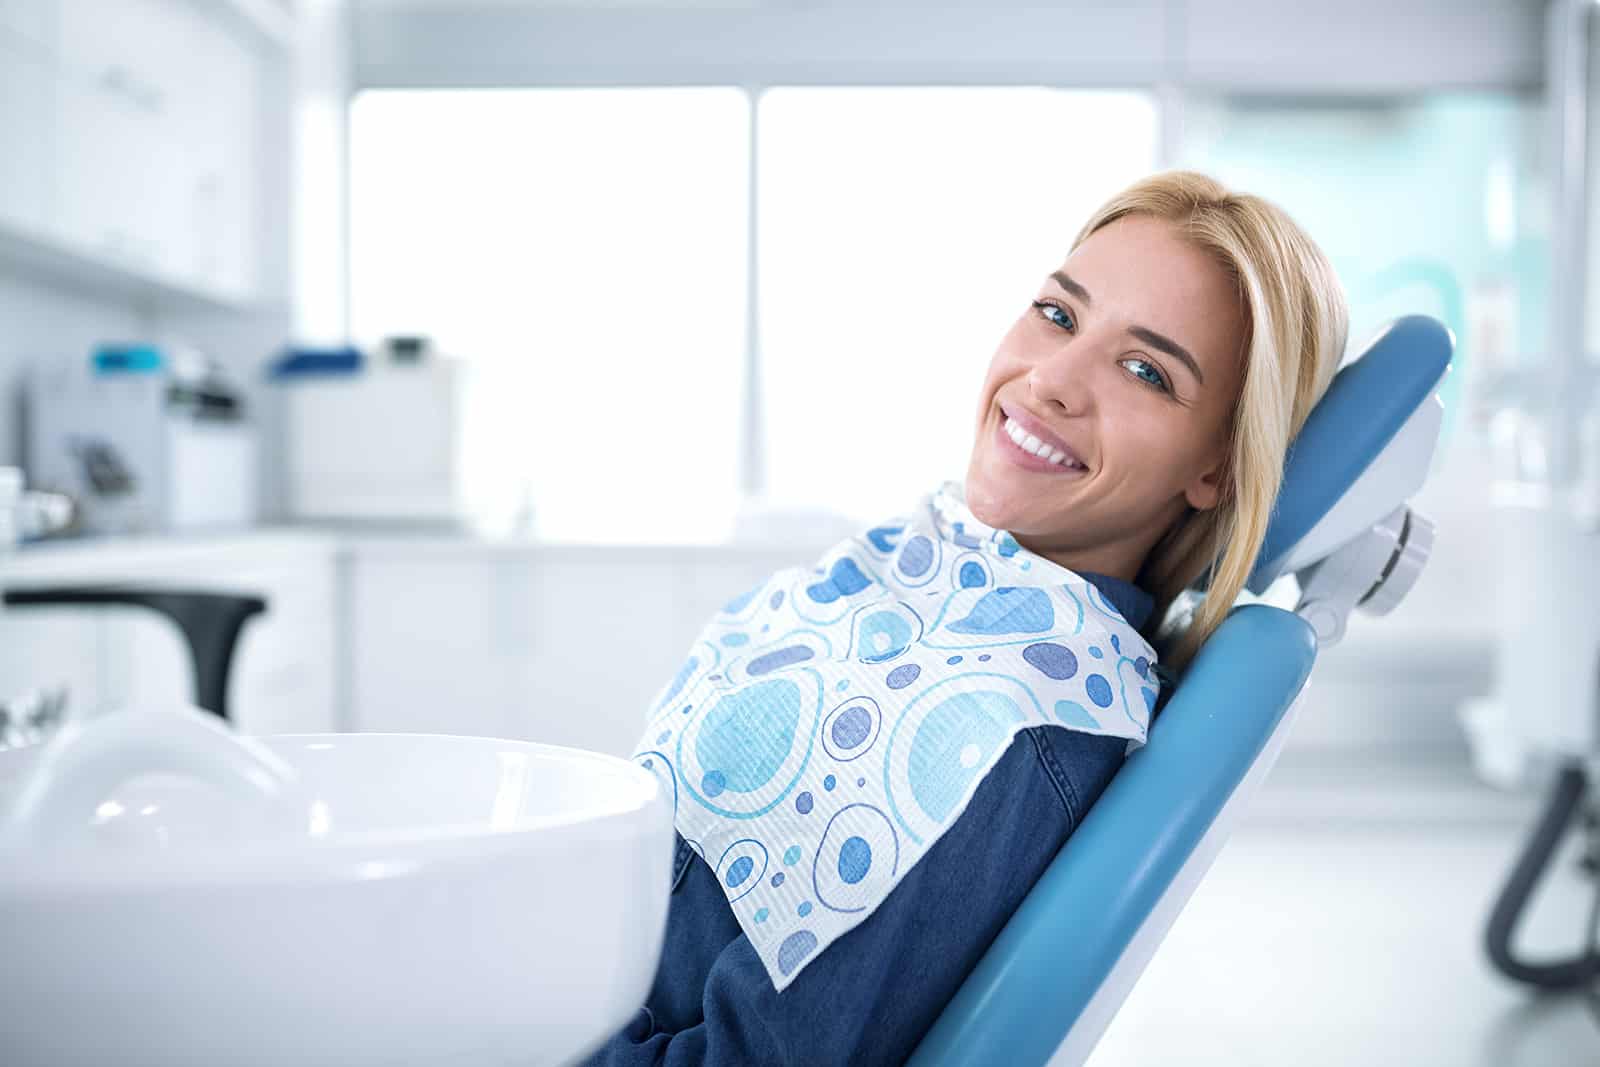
(1056, 975)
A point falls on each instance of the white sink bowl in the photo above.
(173, 893)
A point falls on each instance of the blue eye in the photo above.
(1154, 376)
(1045, 308)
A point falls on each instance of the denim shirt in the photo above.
(872, 994)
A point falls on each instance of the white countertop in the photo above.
(1422, 642)
(91, 557)
(95, 557)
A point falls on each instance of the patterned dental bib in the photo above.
(829, 725)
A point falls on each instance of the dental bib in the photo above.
(829, 725)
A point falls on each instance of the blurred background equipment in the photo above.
(373, 439)
(145, 439)
(1541, 723)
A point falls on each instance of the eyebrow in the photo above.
(1148, 336)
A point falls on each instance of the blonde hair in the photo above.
(1296, 321)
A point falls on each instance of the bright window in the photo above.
(585, 251)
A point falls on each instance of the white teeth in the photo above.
(1030, 443)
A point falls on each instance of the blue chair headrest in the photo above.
(1364, 407)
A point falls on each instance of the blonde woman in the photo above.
(1130, 437)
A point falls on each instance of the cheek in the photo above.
(1155, 447)
(1001, 369)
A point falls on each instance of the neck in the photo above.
(1106, 560)
(1123, 558)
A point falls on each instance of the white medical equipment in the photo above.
(144, 440)
(384, 442)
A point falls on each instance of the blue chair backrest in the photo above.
(1363, 409)
(1052, 965)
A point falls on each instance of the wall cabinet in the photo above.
(130, 134)
(27, 106)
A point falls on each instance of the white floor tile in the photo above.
(1333, 933)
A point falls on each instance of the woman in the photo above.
(1131, 432)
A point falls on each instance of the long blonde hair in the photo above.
(1296, 321)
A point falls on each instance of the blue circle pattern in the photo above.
(857, 858)
(903, 676)
(885, 632)
(744, 754)
(851, 729)
(742, 866)
(917, 557)
(1099, 690)
(752, 742)
(795, 948)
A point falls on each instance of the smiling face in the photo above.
(1129, 361)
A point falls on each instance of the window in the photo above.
(585, 252)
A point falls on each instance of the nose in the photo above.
(1061, 380)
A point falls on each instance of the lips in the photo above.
(1031, 423)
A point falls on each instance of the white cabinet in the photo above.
(566, 646)
(285, 670)
(27, 125)
(507, 647)
(223, 181)
(156, 112)
(30, 23)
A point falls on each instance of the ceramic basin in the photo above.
(172, 893)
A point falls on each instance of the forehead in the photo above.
(1140, 271)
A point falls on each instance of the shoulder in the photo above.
(1078, 765)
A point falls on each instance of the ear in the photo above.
(1204, 492)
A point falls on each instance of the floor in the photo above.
(1342, 925)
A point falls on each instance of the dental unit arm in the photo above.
(1364, 552)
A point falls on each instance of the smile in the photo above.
(1029, 452)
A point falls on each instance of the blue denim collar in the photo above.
(1134, 603)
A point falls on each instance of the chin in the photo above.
(987, 505)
